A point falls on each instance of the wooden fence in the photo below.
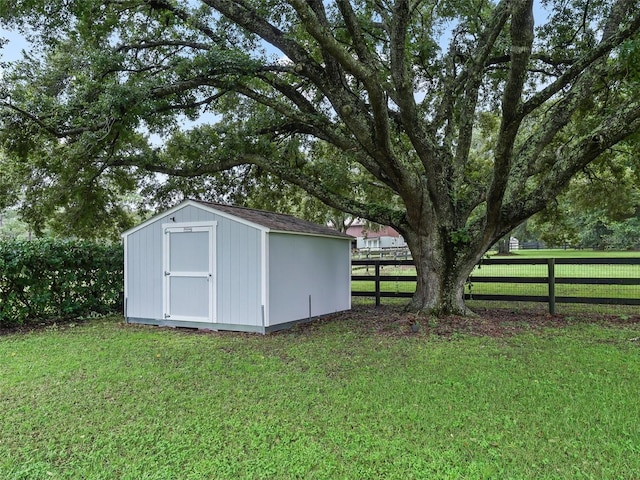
(550, 280)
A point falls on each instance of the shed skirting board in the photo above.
(224, 326)
(199, 325)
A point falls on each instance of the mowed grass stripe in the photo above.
(103, 400)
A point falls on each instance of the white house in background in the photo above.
(220, 267)
(384, 237)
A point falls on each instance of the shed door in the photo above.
(189, 269)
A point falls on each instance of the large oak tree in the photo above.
(452, 121)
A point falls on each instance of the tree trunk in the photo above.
(442, 274)
(504, 246)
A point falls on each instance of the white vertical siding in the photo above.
(238, 260)
(387, 242)
(302, 266)
(144, 273)
(239, 263)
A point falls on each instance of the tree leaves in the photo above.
(432, 117)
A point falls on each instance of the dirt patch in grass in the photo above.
(393, 321)
(48, 324)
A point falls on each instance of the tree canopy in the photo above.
(452, 121)
(601, 207)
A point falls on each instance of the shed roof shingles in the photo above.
(276, 221)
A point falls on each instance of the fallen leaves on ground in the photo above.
(394, 321)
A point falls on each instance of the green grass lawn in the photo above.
(333, 400)
(574, 253)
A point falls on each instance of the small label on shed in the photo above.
(187, 229)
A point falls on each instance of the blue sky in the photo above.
(12, 50)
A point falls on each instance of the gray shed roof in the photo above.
(275, 221)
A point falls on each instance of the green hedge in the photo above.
(53, 279)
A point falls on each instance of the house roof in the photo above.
(362, 232)
(278, 222)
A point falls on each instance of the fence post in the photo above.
(377, 265)
(551, 266)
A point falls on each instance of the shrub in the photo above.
(53, 279)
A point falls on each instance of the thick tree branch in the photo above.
(376, 213)
(309, 120)
(538, 56)
(586, 74)
(318, 30)
(190, 105)
(611, 131)
(249, 19)
(55, 130)
(580, 65)
(521, 33)
(381, 145)
(474, 71)
(455, 82)
(355, 32)
(184, 15)
(148, 44)
(333, 85)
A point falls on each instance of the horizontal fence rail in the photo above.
(550, 280)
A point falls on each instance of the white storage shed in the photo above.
(221, 267)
